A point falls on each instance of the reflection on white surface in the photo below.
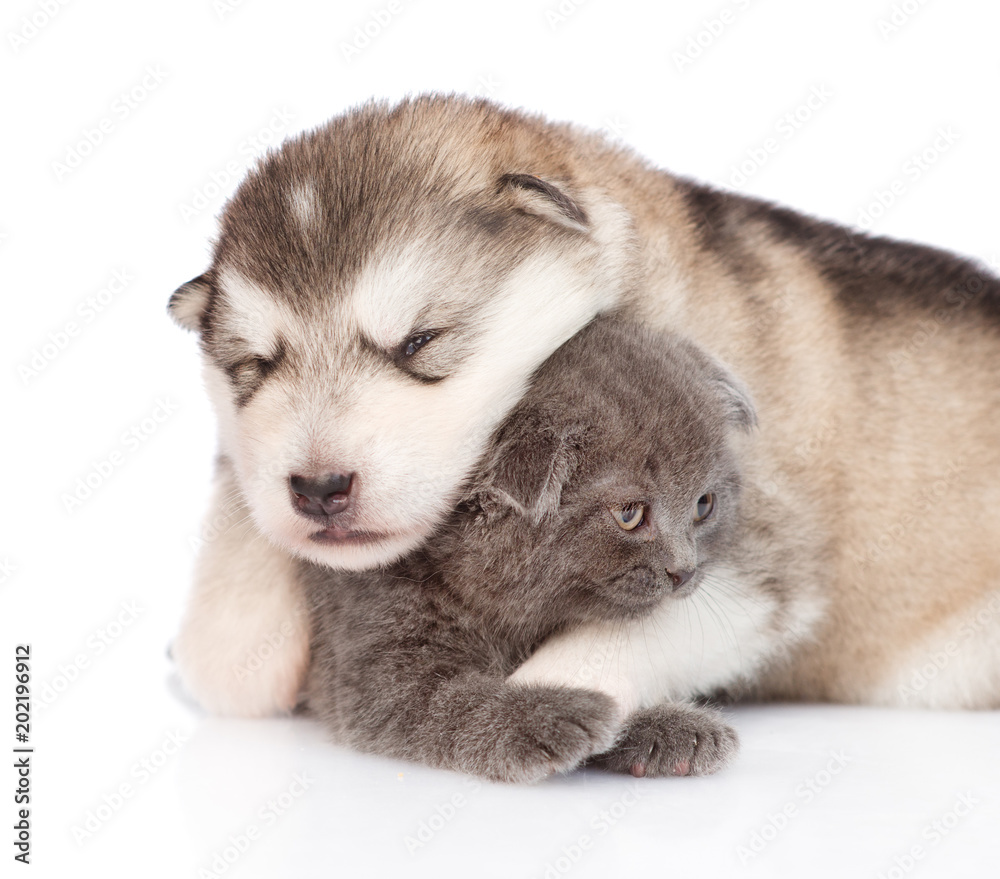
(848, 792)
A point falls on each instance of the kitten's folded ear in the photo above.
(736, 399)
(732, 393)
(526, 468)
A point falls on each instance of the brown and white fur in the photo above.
(873, 363)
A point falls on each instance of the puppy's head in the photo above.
(381, 290)
(613, 485)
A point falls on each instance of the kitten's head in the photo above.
(611, 487)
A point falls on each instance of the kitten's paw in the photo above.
(533, 732)
(673, 739)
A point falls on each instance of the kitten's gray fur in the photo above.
(411, 661)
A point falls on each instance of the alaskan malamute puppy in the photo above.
(383, 287)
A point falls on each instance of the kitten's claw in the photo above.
(672, 739)
(682, 767)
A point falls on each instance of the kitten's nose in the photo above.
(679, 578)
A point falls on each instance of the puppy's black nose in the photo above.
(679, 578)
(321, 497)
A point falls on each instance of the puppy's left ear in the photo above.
(526, 469)
(545, 199)
(189, 301)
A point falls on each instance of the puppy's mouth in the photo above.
(356, 549)
(345, 536)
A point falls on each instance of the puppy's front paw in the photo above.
(243, 647)
(531, 732)
(250, 670)
(673, 739)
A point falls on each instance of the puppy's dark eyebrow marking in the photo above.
(369, 346)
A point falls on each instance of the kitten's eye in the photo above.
(417, 341)
(703, 509)
(629, 517)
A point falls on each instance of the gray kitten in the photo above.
(611, 488)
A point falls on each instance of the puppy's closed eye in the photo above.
(248, 373)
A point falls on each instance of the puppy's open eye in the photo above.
(417, 341)
(705, 507)
(630, 516)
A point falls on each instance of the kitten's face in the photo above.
(613, 486)
(628, 537)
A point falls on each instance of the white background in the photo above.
(207, 80)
